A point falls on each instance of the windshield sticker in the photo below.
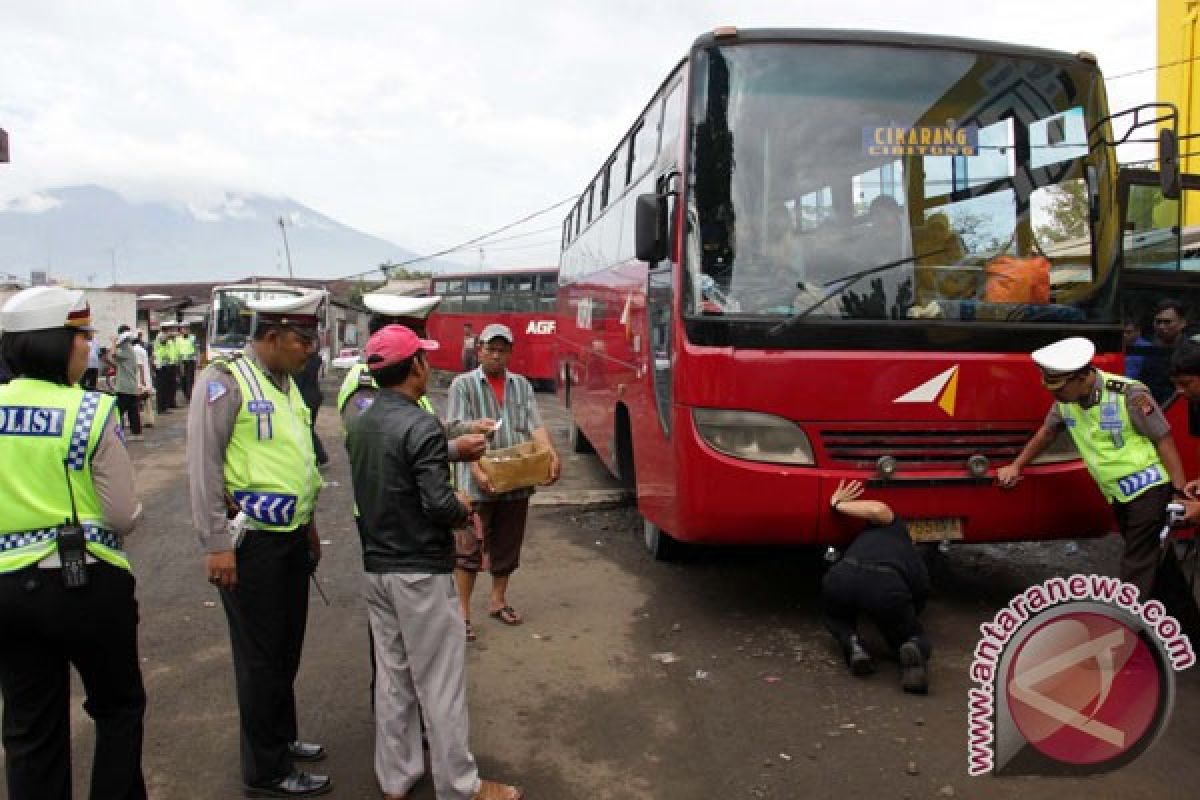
(920, 140)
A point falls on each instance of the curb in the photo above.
(582, 498)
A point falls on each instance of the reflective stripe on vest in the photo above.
(44, 426)
(270, 467)
(1123, 462)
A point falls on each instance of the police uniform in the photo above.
(57, 443)
(250, 457)
(358, 388)
(186, 345)
(1116, 428)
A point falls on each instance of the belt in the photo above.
(92, 533)
(872, 566)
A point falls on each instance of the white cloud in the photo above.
(35, 203)
(420, 124)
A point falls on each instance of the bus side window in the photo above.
(481, 295)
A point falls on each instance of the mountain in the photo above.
(93, 236)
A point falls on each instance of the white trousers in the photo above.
(420, 657)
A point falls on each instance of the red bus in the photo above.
(522, 299)
(779, 279)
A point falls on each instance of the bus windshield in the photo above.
(232, 319)
(833, 181)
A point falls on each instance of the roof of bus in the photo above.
(845, 36)
(489, 272)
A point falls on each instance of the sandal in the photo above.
(491, 790)
(508, 615)
(470, 631)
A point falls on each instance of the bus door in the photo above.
(1161, 260)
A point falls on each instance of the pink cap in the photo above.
(393, 344)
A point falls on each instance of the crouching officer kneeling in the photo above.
(66, 592)
(882, 576)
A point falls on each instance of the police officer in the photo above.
(882, 577)
(1124, 440)
(186, 347)
(163, 362)
(66, 592)
(386, 309)
(250, 458)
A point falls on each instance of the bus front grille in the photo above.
(927, 449)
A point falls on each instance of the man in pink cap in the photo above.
(408, 511)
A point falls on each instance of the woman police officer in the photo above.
(66, 592)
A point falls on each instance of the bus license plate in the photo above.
(935, 530)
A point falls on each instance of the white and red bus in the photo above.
(779, 279)
(522, 299)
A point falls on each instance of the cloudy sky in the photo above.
(422, 123)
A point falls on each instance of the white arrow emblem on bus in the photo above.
(941, 390)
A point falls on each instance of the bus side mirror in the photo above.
(1168, 164)
(650, 243)
(3, 146)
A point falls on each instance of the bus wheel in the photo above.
(579, 442)
(660, 544)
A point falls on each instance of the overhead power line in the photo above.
(1152, 69)
(462, 245)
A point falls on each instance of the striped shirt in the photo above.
(470, 397)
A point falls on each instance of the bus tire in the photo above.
(659, 544)
(579, 442)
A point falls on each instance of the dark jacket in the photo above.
(890, 545)
(398, 460)
(308, 381)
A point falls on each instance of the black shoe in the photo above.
(859, 659)
(306, 751)
(298, 784)
(913, 677)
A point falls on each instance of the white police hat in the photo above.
(1061, 360)
(45, 308)
(296, 312)
(496, 331)
(394, 305)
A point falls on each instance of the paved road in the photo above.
(573, 704)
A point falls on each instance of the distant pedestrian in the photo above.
(492, 392)
(398, 460)
(92, 373)
(308, 381)
(470, 356)
(187, 360)
(882, 577)
(146, 394)
(125, 382)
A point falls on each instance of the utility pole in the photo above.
(286, 249)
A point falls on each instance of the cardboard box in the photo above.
(517, 467)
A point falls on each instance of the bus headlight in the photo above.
(753, 436)
(1060, 450)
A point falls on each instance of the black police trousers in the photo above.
(267, 614)
(46, 628)
(1141, 521)
(878, 593)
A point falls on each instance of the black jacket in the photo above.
(398, 460)
(890, 545)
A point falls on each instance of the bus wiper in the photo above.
(840, 285)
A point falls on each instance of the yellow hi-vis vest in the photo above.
(359, 377)
(1123, 462)
(270, 466)
(42, 425)
(162, 355)
(187, 347)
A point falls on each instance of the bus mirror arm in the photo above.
(1168, 164)
(650, 215)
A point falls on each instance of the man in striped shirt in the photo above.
(492, 392)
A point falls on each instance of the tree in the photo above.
(1066, 211)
